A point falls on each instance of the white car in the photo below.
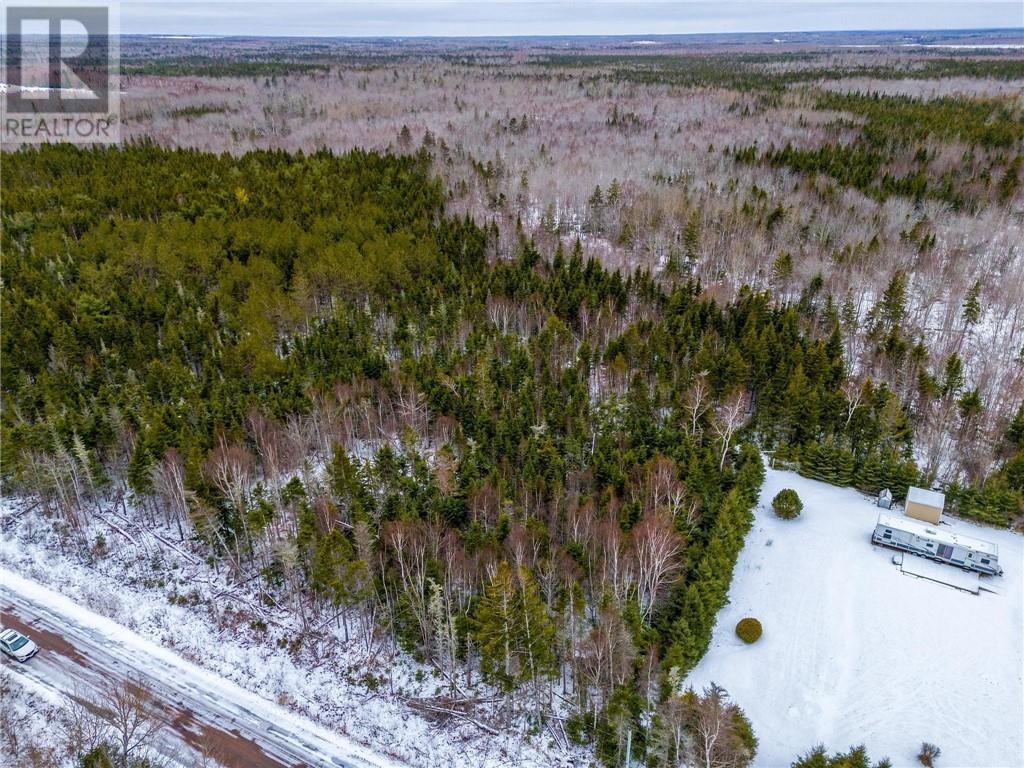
(16, 645)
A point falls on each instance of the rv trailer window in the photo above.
(984, 561)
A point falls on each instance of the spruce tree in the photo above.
(513, 632)
(691, 237)
(972, 306)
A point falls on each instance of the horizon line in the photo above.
(662, 35)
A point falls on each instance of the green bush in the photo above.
(748, 630)
(787, 504)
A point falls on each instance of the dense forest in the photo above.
(846, 172)
(877, 162)
(518, 465)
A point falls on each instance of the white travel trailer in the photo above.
(936, 543)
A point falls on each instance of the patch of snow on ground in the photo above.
(27, 715)
(854, 652)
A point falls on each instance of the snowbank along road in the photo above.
(80, 652)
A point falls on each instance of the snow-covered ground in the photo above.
(92, 649)
(182, 604)
(855, 652)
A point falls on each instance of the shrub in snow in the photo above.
(787, 504)
(748, 630)
(857, 757)
(929, 754)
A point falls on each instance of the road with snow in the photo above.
(80, 652)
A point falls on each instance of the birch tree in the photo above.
(657, 550)
(729, 417)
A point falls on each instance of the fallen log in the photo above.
(443, 713)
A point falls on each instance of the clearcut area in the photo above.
(856, 651)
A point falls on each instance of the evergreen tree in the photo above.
(857, 757)
(691, 237)
(512, 630)
(972, 306)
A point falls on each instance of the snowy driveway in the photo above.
(81, 650)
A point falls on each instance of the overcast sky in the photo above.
(552, 17)
(506, 18)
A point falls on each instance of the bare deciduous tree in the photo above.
(410, 542)
(230, 468)
(729, 417)
(129, 711)
(697, 403)
(657, 549)
(122, 717)
(714, 734)
(854, 393)
(607, 654)
(168, 476)
(81, 729)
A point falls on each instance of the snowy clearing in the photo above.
(855, 651)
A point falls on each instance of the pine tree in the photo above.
(614, 193)
(828, 462)
(972, 306)
(845, 466)
(811, 464)
(782, 268)
(691, 237)
(796, 399)
(1015, 432)
(869, 476)
(952, 376)
(513, 632)
(538, 630)
(857, 757)
(893, 306)
(97, 757)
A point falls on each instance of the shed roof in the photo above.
(940, 533)
(926, 497)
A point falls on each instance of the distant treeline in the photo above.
(775, 71)
(211, 66)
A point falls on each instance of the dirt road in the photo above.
(206, 715)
